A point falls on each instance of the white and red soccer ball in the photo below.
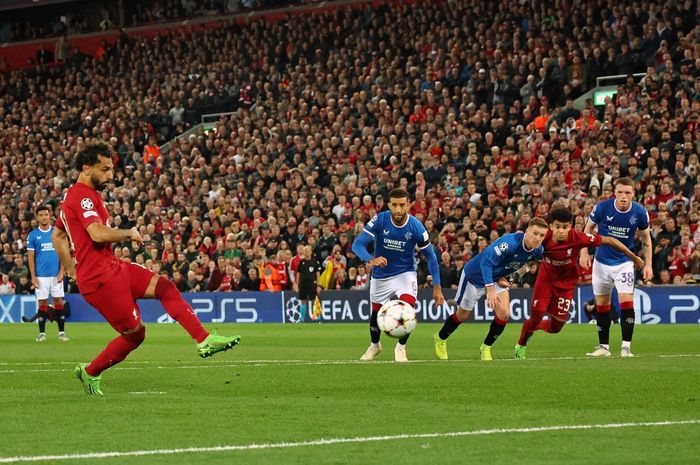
(396, 318)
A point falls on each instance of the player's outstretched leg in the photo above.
(181, 311)
(375, 346)
(91, 384)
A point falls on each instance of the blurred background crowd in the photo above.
(469, 105)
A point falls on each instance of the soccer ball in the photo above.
(396, 318)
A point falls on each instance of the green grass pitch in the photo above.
(287, 388)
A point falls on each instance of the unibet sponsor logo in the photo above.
(393, 244)
(618, 231)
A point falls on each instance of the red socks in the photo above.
(550, 326)
(116, 351)
(409, 299)
(180, 310)
(529, 327)
(536, 322)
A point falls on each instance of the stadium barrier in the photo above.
(658, 304)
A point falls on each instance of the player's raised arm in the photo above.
(619, 246)
(59, 238)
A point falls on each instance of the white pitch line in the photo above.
(264, 363)
(339, 362)
(332, 441)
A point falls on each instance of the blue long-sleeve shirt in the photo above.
(397, 244)
(500, 258)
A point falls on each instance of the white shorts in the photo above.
(383, 290)
(605, 277)
(49, 286)
(468, 294)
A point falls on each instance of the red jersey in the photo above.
(95, 262)
(560, 258)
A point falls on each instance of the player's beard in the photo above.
(400, 220)
(97, 184)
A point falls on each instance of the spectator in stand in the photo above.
(7, 287)
(362, 278)
(448, 273)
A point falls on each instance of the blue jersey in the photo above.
(620, 225)
(45, 258)
(395, 243)
(500, 258)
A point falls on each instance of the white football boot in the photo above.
(372, 352)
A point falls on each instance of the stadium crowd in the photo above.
(466, 104)
(86, 16)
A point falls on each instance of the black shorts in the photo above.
(307, 291)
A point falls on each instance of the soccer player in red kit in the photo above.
(109, 284)
(556, 280)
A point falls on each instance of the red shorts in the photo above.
(552, 299)
(115, 299)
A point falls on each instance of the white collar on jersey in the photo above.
(395, 225)
(620, 211)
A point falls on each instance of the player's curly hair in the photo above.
(560, 214)
(42, 208)
(90, 154)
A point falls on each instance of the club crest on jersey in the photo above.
(408, 236)
(87, 204)
(568, 252)
(633, 220)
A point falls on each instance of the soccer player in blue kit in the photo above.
(395, 234)
(46, 273)
(620, 218)
(485, 273)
